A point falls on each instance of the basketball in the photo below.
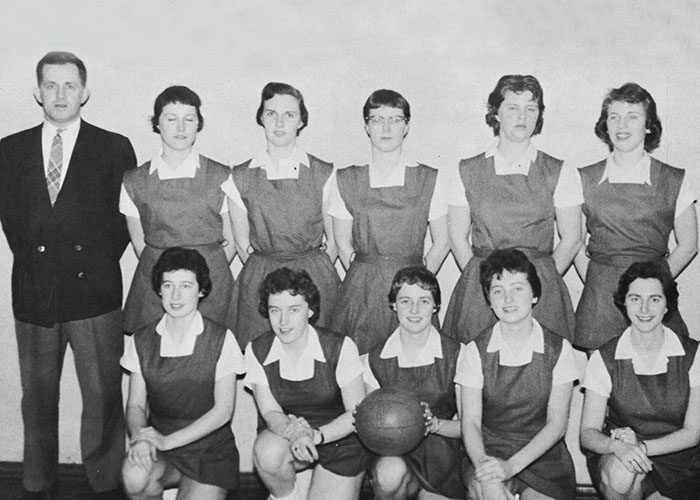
(390, 421)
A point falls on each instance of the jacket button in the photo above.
(78, 248)
(41, 248)
(81, 275)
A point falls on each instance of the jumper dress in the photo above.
(286, 230)
(179, 212)
(515, 402)
(388, 232)
(318, 400)
(510, 211)
(181, 390)
(627, 223)
(436, 460)
(654, 406)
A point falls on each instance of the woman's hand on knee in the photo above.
(493, 469)
(494, 491)
(303, 448)
(142, 454)
(632, 457)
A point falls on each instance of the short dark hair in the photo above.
(517, 84)
(648, 270)
(296, 282)
(415, 275)
(634, 94)
(176, 94)
(177, 258)
(61, 57)
(513, 261)
(388, 98)
(274, 88)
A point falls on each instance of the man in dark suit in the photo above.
(59, 196)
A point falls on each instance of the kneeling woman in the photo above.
(306, 382)
(648, 382)
(417, 357)
(516, 380)
(182, 389)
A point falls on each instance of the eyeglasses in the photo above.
(381, 120)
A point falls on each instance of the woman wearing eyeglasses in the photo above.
(277, 204)
(512, 196)
(381, 211)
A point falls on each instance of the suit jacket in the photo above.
(66, 257)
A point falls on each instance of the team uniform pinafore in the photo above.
(510, 211)
(652, 406)
(179, 212)
(627, 223)
(180, 390)
(388, 233)
(436, 460)
(515, 400)
(318, 399)
(286, 230)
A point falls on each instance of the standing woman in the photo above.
(512, 196)
(641, 413)
(176, 200)
(516, 381)
(416, 357)
(381, 211)
(306, 382)
(632, 203)
(278, 203)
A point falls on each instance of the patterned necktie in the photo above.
(53, 176)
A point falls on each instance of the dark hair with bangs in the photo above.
(513, 261)
(634, 94)
(296, 282)
(415, 275)
(187, 259)
(388, 98)
(176, 94)
(647, 270)
(517, 84)
(274, 88)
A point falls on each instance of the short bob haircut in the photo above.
(61, 58)
(176, 259)
(296, 282)
(274, 88)
(388, 98)
(633, 94)
(176, 94)
(415, 275)
(517, 84)
(647, 270)
(513, 261)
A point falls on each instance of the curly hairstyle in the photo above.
(517, 84)
(296, 282)
(176, 259)
(647, 270)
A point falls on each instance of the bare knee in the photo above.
(616, 480)
(139, 482)
(271, 453)
(389, 475)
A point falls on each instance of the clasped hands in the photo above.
(301, 439)
(144, 446)
(630, 451)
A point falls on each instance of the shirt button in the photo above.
(78, 248)
(41, 248)
(81, 275)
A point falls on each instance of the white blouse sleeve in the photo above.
(337, 206)
(565, 370)
(597, 378)
(349, 363)
(254, 372)
(469, 371)
(130, 359)
(694, 372)
(126, 204)
(438, 202)
(231, 191)
(231, 359)
(569, 190)
(686, 196)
